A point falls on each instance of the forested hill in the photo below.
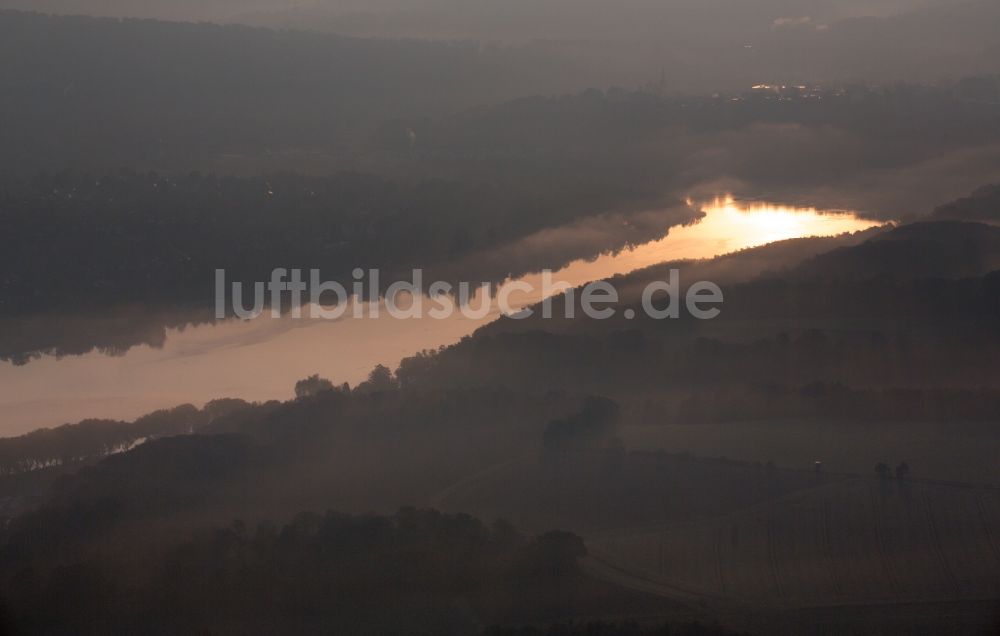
(177, 90)
(74, 232)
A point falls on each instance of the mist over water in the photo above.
(261, 359)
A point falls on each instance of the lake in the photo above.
(262, 359)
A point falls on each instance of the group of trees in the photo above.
(379, 379)
(77, 231)
(594, 424)
(417, 571)
(884, 472)
(366, 448)
(91, 440)
(816, 373)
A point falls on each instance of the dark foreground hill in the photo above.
(415, 572)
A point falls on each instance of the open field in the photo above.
(855, 542)
(770, 550)
(955, 451)
(600, 491)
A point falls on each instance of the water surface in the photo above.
(262, 359)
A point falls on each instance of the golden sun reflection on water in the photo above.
(728, 226)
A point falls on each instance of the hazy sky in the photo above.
(595, 16)
(697, 45)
